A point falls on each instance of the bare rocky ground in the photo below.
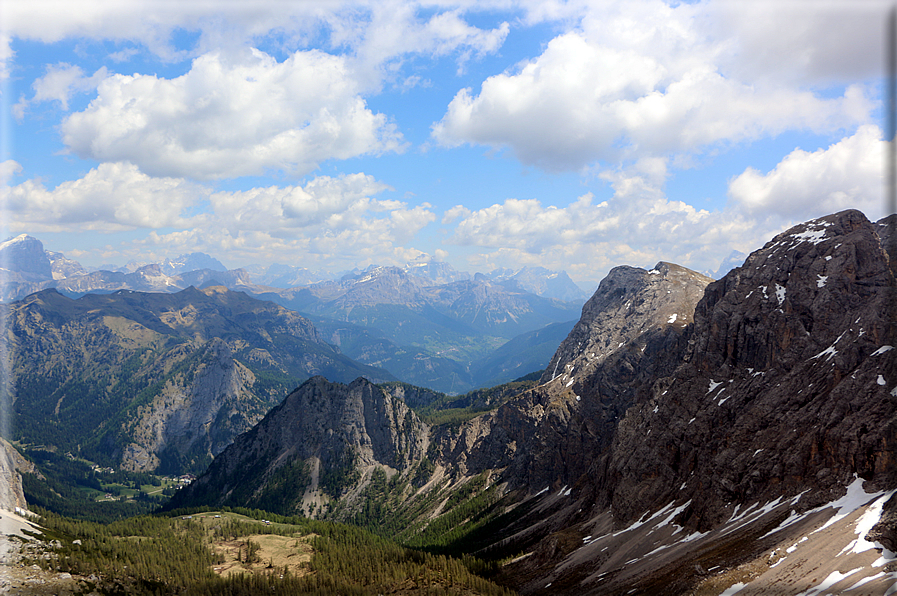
(21, 547)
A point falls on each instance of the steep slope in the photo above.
(157, 381)
(552, 433)
(783, 397)
(324, 441)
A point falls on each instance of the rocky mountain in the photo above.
(426, 323)
(155, 381)
(191, 262)
(541, 282)
(437, 272)
(324, 441)
(279, 275)
(426, 334)
(688, 437)
(775, 401)
(23, 260)
(64, 267)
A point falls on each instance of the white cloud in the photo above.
(375, 32)
(636, 79)
(111, 197)
(225, 118)
(59, 83)
(848, 174)
(8, 169)
(353, 237)
(819, 43)
(638, 226)
(324, 202)
(331, 221)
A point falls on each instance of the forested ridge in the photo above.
(178, 554)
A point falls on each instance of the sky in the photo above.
(332, 135)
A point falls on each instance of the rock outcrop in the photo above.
(328, 436)
(12, 465)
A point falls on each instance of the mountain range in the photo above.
(156, 381)
(426, 323)
(688, 436)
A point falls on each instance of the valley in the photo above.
(686, 436)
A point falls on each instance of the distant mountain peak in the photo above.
(191, 262)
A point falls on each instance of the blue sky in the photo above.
(332, 135)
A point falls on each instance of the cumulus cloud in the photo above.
(59, 83)
(639, 225)
(640, 79)
(324, 200)
(818, 43)
(8, 169)
(328, 220)
(111, 197)
(375, 32)
(225, 118)
(394, 29)
(351, 238)
(848, 174)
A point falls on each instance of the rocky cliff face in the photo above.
(12, 464)
(329, 437)
(788, 359)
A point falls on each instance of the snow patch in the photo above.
(780, 294)
(814, 236)
(570, 382)
(855, 498)
(733, 589)
(713, 386)
(833, 578)
(673, 318)
(828, 353)
(880, 380)
(870, 517)
(882, 350)
(820, 280)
